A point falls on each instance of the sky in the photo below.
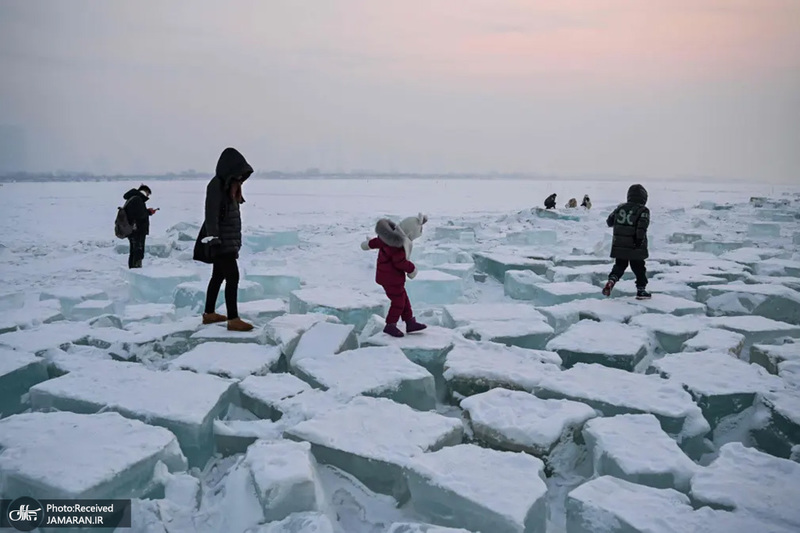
(650, 88)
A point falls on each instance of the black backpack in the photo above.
(122, 226)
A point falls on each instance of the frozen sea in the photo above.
(585, 414)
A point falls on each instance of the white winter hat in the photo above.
(412, 226)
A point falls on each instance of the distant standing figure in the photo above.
(572, 204)
(587, 203)
(220, 237)
(630, 222)
(550, 201)
(139, 216)
(394, 245)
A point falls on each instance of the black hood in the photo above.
(637, 194)
(232, 163)
(133, 192)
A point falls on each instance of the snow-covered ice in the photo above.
(715, 339)
(259, 310)
(771, 355)
(518, 421)
(261, 241)
(220, 333)
(771, 301)
(520, 284)
(183, 402)
(542, 237)
(751, 482)
(635, 448)
(91, 309)
(154, 313)
(405, 527)
(275, 282)
(757, 230)
(457, 315)
(606, 343)
(680, 293)
(779, 429)
(480, 366)
(756, 329)
(337, 438)
(720, 384)
(309, 522)
(12, 300)
(545, 294)
(532, 334)
(670, 331)
(717, 247)
(613, 392)
(486, 490)
(564, 315)
(19, 371)
(462, 271)
(434, 287)
(262, 394)
(351, 307)
(323, 339)
(70, 296)
(374, 371)
(227, 360)
(91, 456)
(286, 330)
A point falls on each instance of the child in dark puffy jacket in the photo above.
(394, 245)
(630, 222)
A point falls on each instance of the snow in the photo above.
(70, 296)
(564, 315)
(322, 339)
(531, 334)
(48, 455)
(284, 477)
(183, 402)
(636, 449)
(261, 394)
(351, 307)
(606, 343)
(533, 237)
(285, 331)
(457, 315)
(756, 329)
(661, 290)
(557, 293)
(298, 523)
(519, 421)
(771, 301)
(258, 310)
(405, 527)
(670, 331)
(337, 438)
(42, 338)
(381, 371)
(739, 474)
(228, 360)
(488, 490)
(713, 339)
(771, 355)
(477, 367)
(154, 313)
(19, 371)
(614, 392)
(220, 333)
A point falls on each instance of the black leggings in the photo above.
(639, 270)
(225, 268)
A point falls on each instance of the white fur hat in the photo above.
(412, 226)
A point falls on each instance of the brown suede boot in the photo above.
(237, 324)
(213, 318)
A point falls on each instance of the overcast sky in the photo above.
(655, 88)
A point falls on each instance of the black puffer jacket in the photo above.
(630, 221)
(137, 212)
(222, 216)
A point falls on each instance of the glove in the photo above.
(412, 274)
(211, 240)
(365, 245)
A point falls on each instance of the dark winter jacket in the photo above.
(550, 201)
(222, 216)
(137, 212)
(392, 262)
(630, 221)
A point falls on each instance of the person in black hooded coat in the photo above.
(220, 237)
(550, 201)
(139, 215)
(629, 246)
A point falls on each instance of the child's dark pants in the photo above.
(639, 270)
(400, 305)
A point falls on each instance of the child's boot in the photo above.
(391, 329)
(642, 294)
(609, 286)
(413, 326)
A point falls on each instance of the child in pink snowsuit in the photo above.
(394, 245)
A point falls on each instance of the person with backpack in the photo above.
(220, 237)
(138, 223)
(630, 222)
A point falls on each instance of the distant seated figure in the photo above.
(587, 203)
(572, 204)
(550, 201)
